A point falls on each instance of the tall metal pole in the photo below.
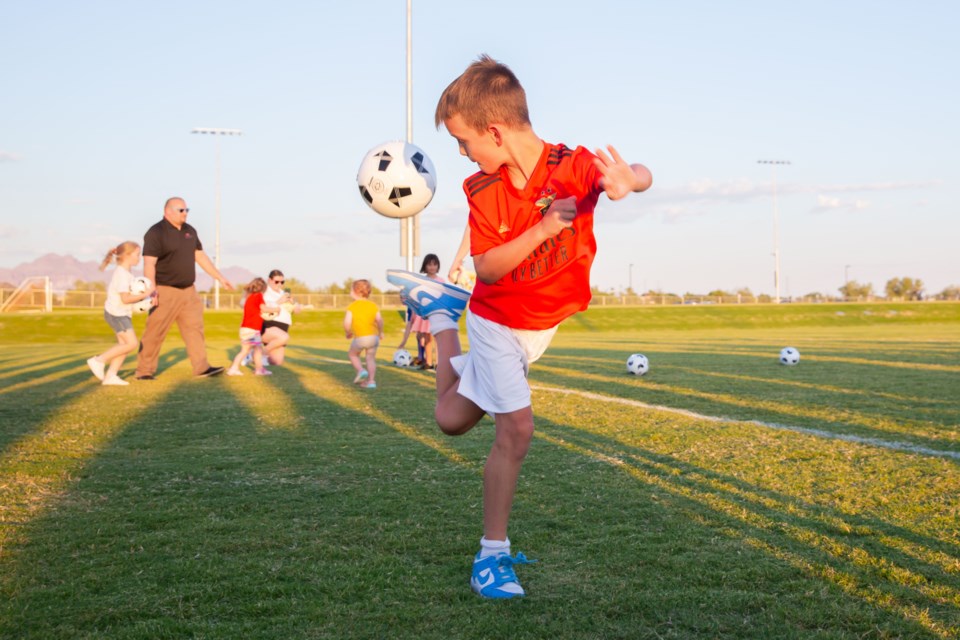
(410, 227)
(216, 133)
(776, 227)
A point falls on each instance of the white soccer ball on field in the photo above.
(789, 356)
(402, 358)
(637, 364)
(397, 179)
(140, 285)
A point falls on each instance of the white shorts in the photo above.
(250, 336)
(493, 374)
(365, 342)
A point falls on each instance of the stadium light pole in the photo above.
(630, 280)
(216, 133)
(776, 227)
(410, 227)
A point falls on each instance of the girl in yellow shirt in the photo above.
(363, 324)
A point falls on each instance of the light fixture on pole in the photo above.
(216, 133)
(776, 228)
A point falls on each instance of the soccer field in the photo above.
(722, 495)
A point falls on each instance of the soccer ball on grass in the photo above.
(637, 364)
(402, 358)
(789, 356)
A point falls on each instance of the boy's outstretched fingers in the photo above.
(618, 177)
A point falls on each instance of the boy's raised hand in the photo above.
(619, 178)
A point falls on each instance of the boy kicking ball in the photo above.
(531, 237)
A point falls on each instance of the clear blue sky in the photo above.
(99, 97)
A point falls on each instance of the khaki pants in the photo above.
(186, 308)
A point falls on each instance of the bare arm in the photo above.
(150, 272)
(501, 260)
(150, 268)
(379, 325)
(207, 265)
(457, 265)
(406, 332)
(348, 324)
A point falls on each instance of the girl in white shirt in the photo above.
(118, 311)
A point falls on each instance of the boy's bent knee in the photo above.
(456, 425)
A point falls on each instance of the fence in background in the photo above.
(38, 300)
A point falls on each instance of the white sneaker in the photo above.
(234, 372)
(96, 367)
(114, 381)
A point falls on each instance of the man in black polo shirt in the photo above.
(171, 251)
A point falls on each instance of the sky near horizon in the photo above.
(99, 99)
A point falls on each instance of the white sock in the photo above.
(494, 547)
(441, 322)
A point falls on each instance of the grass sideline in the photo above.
(720, 496)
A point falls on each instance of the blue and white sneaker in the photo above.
(428, 297)
(493, 576)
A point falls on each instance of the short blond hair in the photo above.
(486, 93)
(362, 288)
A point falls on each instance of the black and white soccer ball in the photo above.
(789, 356)
(402, 358)
(397, 179)
(140, 285)
(637, 364)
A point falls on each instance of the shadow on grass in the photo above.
(30, 399)
(199, 518)
(731, 399)
(879, 565)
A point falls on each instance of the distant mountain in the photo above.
(64, 271)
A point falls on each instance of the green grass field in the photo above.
(720, 496)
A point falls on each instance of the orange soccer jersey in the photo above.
(553, 282)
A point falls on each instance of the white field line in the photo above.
(876, 442)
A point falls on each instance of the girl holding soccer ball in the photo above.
(118, 311)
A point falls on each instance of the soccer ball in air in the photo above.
(402, 358)
(637, 364)
(789, 356)
(397, 179)
(138, 286)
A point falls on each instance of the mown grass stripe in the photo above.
(819, 433)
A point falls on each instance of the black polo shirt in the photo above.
(175, 251)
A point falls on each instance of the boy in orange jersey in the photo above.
(531, 238)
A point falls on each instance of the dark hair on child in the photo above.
(427, 259)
